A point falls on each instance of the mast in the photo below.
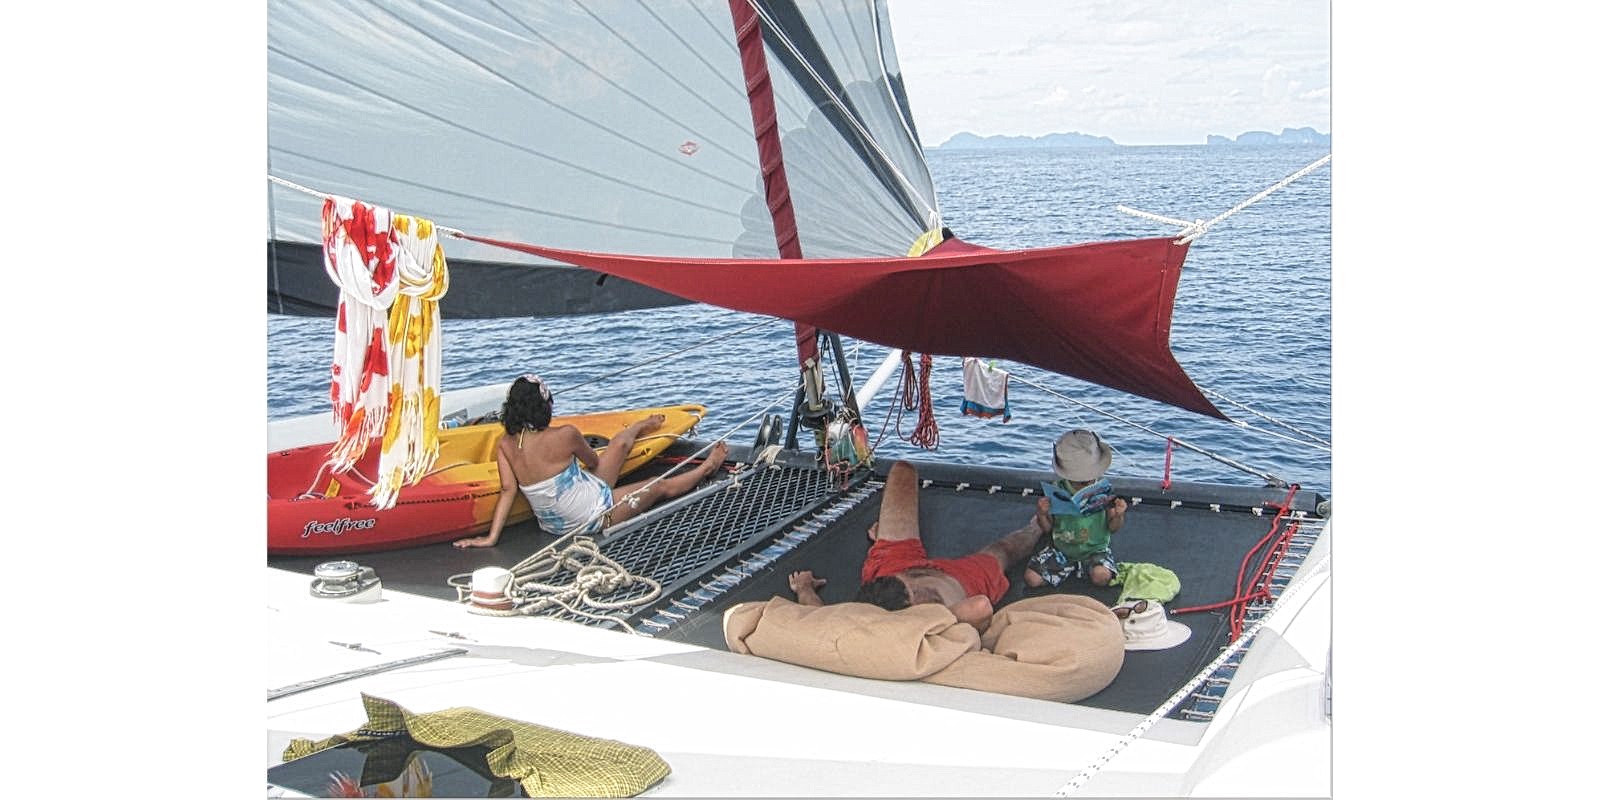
(810, 402)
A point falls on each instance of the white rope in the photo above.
(1139, 730)
(604, 577)
(843, 108)
(594, 574)
(1198, 228)
(324, 196)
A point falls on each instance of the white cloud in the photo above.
(1139, 71)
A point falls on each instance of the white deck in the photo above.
(732, 725)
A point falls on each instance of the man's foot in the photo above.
(803, 580)
(713, 462)
(1032, 578)
(476, 541)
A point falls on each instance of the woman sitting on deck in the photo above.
(546, 464)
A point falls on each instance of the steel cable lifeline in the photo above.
(1172, 440)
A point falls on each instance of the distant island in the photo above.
(1289, 136)
(972, 141)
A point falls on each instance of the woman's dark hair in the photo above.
(887, 592)
(526, 408)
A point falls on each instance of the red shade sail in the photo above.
(1101, 311)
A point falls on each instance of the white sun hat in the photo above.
(1081, 456)
(1145, 626)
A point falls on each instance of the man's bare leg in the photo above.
(897, 515)
(1015, 547)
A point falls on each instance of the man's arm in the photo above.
(805, 587)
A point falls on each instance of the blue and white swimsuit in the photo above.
(567, 500)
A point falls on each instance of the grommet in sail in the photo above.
(346, 581)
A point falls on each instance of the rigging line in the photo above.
(325, 196)
(1273, 479)
(458, 580)
(844, 109)
(766, 321)
(674, 234)
(452, 232)
(740, 157)
(1160, 713)
(1269, 418)
(498, 140)
(1282, 436)
(569, 112)
(272, 249)
(936, 218)
(1198, 228)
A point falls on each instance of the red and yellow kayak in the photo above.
(312, 512)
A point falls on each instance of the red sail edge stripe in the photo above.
(1100, 311)
(769, 148)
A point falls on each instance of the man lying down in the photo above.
(898, 573)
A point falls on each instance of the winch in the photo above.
(346, 581)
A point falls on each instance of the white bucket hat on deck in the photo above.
(1149, 629)
(1081, 456)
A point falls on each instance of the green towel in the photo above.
(1146, 582)
(548, 762)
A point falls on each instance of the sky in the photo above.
(1139, 71)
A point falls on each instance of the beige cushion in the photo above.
(1055, 647)
(851, 638)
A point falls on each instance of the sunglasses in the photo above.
(1123, 612)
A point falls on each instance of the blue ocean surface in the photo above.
(1252, 326)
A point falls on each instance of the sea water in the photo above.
(1252, 325)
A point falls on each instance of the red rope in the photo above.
(1276, 543)
(926, 434)
(1279, 540)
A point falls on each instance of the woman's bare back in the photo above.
(539, 455)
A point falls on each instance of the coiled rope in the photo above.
(595, 573)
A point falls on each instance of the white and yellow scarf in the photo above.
(386, 354)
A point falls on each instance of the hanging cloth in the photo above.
(985, 390)
(391, 272)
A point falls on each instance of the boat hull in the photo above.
(313, 512)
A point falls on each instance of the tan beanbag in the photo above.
(851, 638)
(1055, 647)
